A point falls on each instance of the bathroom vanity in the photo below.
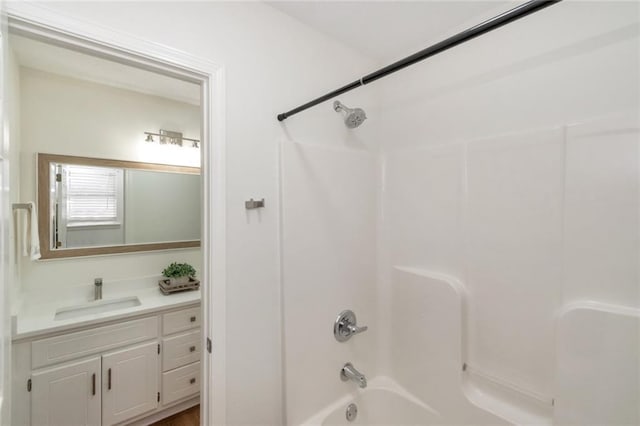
(132, 365)
(122, 353)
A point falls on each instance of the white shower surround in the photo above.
(429, 311)
(522, 182)
(428, 326)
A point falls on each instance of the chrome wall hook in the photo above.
(253, 204)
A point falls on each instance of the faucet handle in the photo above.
(354, 329)
(345, 326)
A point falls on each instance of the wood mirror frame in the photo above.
(44, 222)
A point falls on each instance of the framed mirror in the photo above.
(91, 206)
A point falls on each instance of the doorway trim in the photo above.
(39, 22)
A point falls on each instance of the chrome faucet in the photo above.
(97, 284)
(349, 372)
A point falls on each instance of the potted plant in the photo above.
(179, 273)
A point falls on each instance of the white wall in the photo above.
(511, 163)
(272, 63)
(66, 116)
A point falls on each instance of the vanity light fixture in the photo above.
(171, 137)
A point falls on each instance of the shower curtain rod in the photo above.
(464, 36)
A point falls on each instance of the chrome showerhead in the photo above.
(353, 116)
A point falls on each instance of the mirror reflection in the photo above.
(104, 203)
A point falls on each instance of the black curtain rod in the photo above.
(471, 33)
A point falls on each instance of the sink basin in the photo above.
(96, 307)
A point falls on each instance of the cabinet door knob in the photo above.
(93, 384)
(193, 318)
(109, 379)
(192, 349)
(193, 380)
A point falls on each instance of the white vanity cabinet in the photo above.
(112, 373)
(131, 383)
(67, 395)
(181, 355)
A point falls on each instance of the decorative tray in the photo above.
(167, 288)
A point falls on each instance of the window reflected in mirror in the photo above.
(117, 206)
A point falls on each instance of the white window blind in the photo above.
(92, 194)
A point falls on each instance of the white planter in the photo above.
(179, 280)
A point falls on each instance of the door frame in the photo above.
(39, 22)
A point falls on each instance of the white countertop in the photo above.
(37, 315)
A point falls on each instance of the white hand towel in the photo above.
(17, 237)
(24, 231)
(30, 235)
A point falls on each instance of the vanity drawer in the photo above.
(181, 350)
(69, 346)
(183, 320)
(180, 383)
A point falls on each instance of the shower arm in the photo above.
(489, 25)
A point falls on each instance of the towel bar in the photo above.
(17, 206)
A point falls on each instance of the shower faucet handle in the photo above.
(354, 329)
(346, 326)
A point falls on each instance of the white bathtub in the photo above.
(384, 407)
(384, 402)
(379, 404)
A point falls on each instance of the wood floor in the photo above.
(189, 417)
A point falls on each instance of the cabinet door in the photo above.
(130, 383)
(67, 395)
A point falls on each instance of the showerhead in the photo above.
(353, 117)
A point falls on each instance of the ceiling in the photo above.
(381, 30)
(390, 30)
(57, 60)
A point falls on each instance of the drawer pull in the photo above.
(109, 379)
(93, 384)
(193, 380)
(192, 349)
(193, 319)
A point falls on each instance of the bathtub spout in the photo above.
(349, 372)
